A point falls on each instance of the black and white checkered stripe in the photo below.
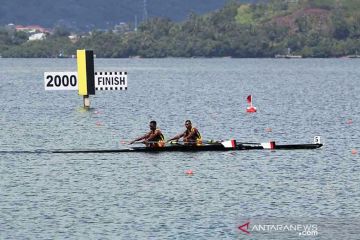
(110, 74)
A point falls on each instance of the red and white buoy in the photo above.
(251, 108)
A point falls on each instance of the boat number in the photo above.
(317, 140)
(58, 81)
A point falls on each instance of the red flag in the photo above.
(249, 99)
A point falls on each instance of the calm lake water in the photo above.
(149, 196)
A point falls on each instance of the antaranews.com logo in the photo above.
(299, 229)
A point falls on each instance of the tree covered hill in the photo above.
(91, 14)
(311, 28)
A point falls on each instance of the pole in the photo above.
(86, 99)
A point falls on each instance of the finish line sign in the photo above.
(69, 81)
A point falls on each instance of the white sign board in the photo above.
(111, 80)
(68, 81)
(60, 81)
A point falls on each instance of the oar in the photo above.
(138, 142)
(195, 142)
(184, 142)
(208, 142)
(171, 142)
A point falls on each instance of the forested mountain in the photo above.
(90, 14)
(310, 28)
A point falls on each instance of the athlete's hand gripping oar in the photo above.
(138, 142)
(130, 142)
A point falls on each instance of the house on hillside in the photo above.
(74, 38)
(31, 29)
(37, 36)
(35, 32)
(121, 28)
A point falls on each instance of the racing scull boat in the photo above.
(230, 145)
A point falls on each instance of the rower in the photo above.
(191, 136)
(154, 138)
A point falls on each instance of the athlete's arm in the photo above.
(140, 138)
(177, 137)
(153, 135)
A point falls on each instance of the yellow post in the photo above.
(86, 76)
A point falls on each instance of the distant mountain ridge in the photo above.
(90, 14)
(277, 28)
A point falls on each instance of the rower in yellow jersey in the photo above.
(191, 136)
(154, 138)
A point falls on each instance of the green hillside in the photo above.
(90, 14)
(311, 28)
